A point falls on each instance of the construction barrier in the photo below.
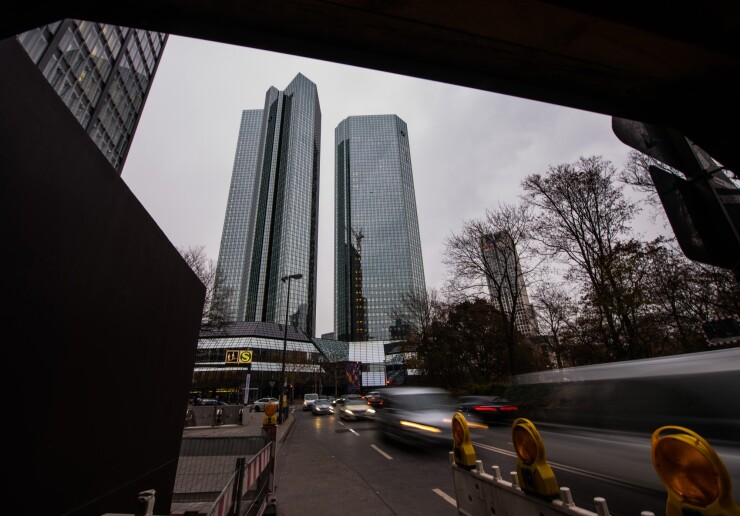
(696, 479)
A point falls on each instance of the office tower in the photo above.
(507, 280)
(271, 223)
(103, 74)
(377, 249)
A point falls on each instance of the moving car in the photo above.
(354, 409)
(488, 409)
(374, 399)
(322, 406)
(259, 405)
(309, 399)
(417, 415)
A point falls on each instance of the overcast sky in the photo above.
(469, 149)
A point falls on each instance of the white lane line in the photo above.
(571, 469)
(339, 422)
(497, 450)
(447, 498)
(353, 431)
(381, 452)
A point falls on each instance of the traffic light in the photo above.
(696, 479)
(535, 474)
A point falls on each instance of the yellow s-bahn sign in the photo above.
(238, 356)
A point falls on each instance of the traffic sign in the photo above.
(238, 356)
(232, 356)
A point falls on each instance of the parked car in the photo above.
(259, 405)
(354, 409)
(322, 406)
(417, 415)
(488, 409)
(374, 399)
(309, 399)
(209, 401)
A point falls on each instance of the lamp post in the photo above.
(283, 411)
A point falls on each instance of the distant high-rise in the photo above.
(103, 74)
(271, 223)
(501, 257)
(377, 248)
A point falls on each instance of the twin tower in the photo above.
(271, 223)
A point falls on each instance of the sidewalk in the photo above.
(208, 470)
(251, 425)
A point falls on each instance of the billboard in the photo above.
(353, 377)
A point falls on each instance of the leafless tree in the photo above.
(556, 310)
(214, 314)
(492, 257)
(585, 220)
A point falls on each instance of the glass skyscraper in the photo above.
(271, 223)
(103, 74)
(377, 248)
(507, 281)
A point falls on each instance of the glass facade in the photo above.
(311, 365)
(377, 248)
(103, 74)
(271, 224)
(235, 244)
(501, 258)
(214, 375)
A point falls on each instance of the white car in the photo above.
(259, 405)
(309, 400)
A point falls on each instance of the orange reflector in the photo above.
(524, 445)
(685, 470)
(458, 431)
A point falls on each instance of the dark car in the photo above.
(209, 401)
(374, 399)
(488, 409)
(417, 415)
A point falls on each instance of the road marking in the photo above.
(381, 452)
(577, 471)
(497, 450)
(447, 498)
(353, 431)
(338, 421)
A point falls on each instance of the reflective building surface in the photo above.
(507, 280)
(103, 74)
(271, 223)
(377, 247)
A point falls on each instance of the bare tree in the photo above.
(492, 256)
(415, 312)
(214, 314)
(585, 220)
(556, 310)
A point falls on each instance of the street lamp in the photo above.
(283, 412)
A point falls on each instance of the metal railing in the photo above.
(223, 472)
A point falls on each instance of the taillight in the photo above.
(509, 408)
(483, 408)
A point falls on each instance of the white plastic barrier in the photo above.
(480, 493)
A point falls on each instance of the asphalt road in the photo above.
(327, 466)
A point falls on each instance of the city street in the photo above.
(335, 466)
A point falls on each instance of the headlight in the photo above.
(370, 411)
(419, 426)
